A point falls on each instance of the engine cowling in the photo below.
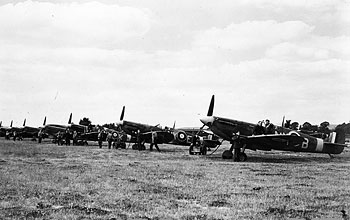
(180, 136)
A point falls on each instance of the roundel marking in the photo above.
(181, 136)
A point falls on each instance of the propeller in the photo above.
(44, 121)
(122, 115)
(24, 123)
(11, 123)
(211, 106)
(174, 125)
(70, 119)
(0, 123)
(283, 121)
(208, 120)
(200, 129)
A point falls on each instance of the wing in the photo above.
(274, 141)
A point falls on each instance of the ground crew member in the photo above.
(269, 127)
(154, 141)
(138, 139)
(75, 138)
(7, 135)
(67, 137)
(109, 139)
(40, 136)
(59, 138)
(100, 137)
(117, 141)
(259, 129)
(14, 135)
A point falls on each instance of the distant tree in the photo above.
(85, 121)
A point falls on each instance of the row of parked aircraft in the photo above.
(215, 129)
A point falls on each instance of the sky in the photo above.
(164, 60)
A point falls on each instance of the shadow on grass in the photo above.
(287, 158)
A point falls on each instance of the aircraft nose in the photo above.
(208, 120)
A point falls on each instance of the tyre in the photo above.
(227, 154)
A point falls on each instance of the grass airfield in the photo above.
(47, 181)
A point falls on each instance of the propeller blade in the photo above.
(11, 123)
(200, 129)
(0, 123)
(70, 119)
(211, 107)
(24, 123)
(283, 122)
(174, 125)
(44, 121)
(122, 115)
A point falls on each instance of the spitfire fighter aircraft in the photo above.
(22, 131)
(240, 135)
(51, 130)
(4, 129)
(28, 131)
(144, 131)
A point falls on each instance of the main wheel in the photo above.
(242, 157)
(227, 154)
(134, 147)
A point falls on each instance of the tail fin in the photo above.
(340, 134)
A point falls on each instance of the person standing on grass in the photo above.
(154, 141)
(75, 138)
(100, 137)
(59, 138)
(14, 135)
(109, 139)
(67, 137)
(40, 136)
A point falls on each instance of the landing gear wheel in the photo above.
(227, 154)
(242, 157)
(135, 147)
(191, 150)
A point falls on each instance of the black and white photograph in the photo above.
(188, 109)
